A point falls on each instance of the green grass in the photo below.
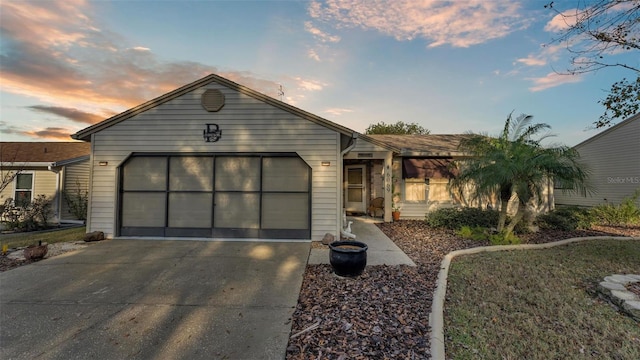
(30, 238)
(540, 304)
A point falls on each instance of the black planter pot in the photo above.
(348, 258)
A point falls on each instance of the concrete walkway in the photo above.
(137, 299)
(382, 251)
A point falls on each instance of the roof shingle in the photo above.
(20, 152)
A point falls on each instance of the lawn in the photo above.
(32, 238)
(540, 304)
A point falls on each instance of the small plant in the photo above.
(626, 213)
(566, 218)
(474, 233)
(455, 218)
(77, 201)
(32, 217)
(504, 239)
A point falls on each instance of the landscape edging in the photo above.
(436, 318)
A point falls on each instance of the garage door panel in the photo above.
(285, 211)
(190, 173)
(143, 209)
(237, 173)
(190, 210)
(285, 174)
(145, 173)
(237, 210)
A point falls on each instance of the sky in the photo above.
(450, 66)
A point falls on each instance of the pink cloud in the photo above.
(561, 21)
(457, 23)
(532, 61)
(552, 80)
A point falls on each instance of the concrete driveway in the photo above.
(140, 299)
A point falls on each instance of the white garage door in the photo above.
(220, 196)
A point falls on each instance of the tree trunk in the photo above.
(502, 216)
(516, 219)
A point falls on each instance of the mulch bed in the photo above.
(384, 313)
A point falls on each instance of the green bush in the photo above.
(456, 218)
(34, 216)
(501, 239)
(566, 218)
(476, 233)
(627, 213)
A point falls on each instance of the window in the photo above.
(415, 190)
(24, 190)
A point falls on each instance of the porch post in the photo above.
(388, 178)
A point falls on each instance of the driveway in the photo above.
(140, 299)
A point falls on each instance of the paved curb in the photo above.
(436, 318)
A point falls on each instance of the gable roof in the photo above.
(41, 152)
(432, 145)
(633, 118)
(85, 134)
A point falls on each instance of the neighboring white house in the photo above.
(45, 168)
(613, 157)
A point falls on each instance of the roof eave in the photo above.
(416, 153)
(379, 143)
(70, 161)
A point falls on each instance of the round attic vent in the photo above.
(212, 100)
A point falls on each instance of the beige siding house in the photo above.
(215, 159)
(613, 157)
(44, 168)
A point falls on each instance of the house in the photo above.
(419, 172)
(44, 168)
(613, 158)
(215, 159)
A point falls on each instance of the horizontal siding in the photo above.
(247, 125)
(76, 180)
(614, 162)
(44, 183)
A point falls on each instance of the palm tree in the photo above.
(515, 164)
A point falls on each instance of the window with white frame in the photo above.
(415, 190)
(24, 189)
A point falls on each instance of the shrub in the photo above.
(627, 213)
(476, 233)
(77, 201)
(456, 218)
(504, 239)
(32, 217)
(566, 218)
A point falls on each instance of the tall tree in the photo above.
(594, 33)
(399, 128)
(514, 163)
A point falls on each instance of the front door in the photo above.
(356, 188)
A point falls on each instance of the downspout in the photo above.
(352, 144)
(58, 194)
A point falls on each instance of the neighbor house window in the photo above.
(24, 190)
(415, 190)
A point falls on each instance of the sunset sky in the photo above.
(450, 66)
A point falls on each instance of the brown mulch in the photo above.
(384, 313)
(7, 263)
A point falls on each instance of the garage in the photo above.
(262, 195)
